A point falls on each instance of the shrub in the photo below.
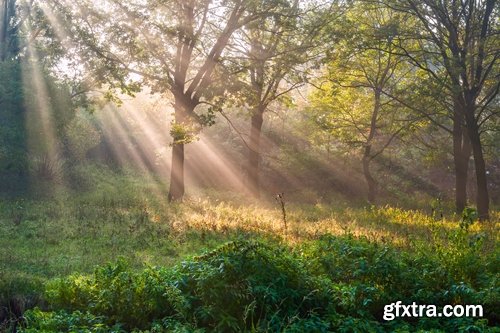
(333, 284)
(366, 276)
(61, 321)
(240, 286)
(119, 295)
(245, 285)
(48, 168)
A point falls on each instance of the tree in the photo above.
(24, 31)
(173, 46)
(431, 100)
(460, 38)
(270, 56)
(8, 31)
(355, 105)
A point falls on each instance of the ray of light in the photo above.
(126, 148)
(154, 131)
(278, 181)
(207, 162)
(54, 22)
(43, 141)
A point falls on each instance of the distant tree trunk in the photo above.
(254, 150)
(482, 198)
(461, 156)
(372, 184)
(5, 17)
(367, 154)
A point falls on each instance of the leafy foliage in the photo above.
(333, 284)
(240, 286)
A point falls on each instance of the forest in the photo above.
(249, 166)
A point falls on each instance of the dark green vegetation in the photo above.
(252, 286)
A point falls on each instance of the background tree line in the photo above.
(390, 85)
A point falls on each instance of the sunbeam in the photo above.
(210, 166)
(42, 137)
(129, 151)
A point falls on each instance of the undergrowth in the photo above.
(334, 269)
(332, 284)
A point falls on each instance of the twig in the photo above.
(281, 200)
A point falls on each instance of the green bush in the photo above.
(61, 321)
(240, 286)
(332, 284)
(246, 285)
(366, 276)
(120, 295)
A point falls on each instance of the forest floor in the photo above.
(124, 219)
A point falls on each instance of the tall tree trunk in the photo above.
(367, 157)
(8, 34)
(182, 108)
(176, 191)
(461, 156)
(482, 198)
(254, 151)
(4, 26)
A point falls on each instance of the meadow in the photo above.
(119, 258)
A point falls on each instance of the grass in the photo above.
(61, 233)
(57, 238)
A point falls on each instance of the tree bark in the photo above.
(367, 157)
(4, 27)
(482, 198)
(176, 191)
(183, 107)
(372, 184)
(461, 157)
(254, 151)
